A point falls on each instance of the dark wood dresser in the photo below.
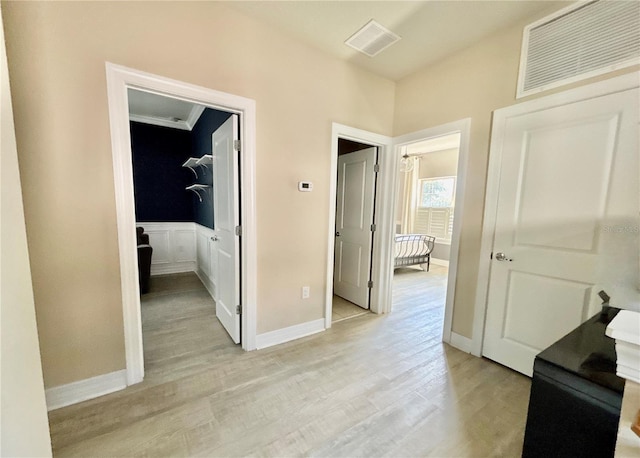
(576, 395)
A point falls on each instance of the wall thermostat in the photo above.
(305, 186)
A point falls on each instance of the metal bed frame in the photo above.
(413, 249)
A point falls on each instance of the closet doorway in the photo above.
(212, 242)
(354, 228)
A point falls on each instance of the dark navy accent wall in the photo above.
(209, 121)
(159, 180)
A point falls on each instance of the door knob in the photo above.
(502, 257)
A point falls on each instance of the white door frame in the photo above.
(119, 79)
(377, 304)
(618, 84)
(463, 127)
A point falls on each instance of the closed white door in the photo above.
(354, 217)
(566, 223)
(225, 243)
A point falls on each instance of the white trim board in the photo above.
(82, 390)
(269, 339)
(119, 80)
(610, 86)
(174, 246)
(460, 342)
(463, 127)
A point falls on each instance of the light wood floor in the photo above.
(370, 386)
(342, 309)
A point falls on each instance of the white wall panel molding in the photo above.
(206, 264)
(174, 246)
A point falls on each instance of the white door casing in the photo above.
(354, 217)
(568, 180)
(225, 242)
(119, 80)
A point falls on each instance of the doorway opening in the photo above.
(424, 224)
(235, 161)
(354, 229)
(178, 227)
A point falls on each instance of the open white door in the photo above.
(225, 219)
(566, 222)
(354, 217)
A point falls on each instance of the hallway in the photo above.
(370, 386)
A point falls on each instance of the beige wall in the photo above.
(56, 56)
(471, 83)
(24, 429)
(439, 164)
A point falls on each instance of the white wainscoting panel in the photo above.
(174, 247)
(185, 243)
(206, 258)
(72, 393)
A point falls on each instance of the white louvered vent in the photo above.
(372, 39)
(579, 42)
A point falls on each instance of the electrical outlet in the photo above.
(305, 292)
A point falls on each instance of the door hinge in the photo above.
(491, 256)
(238, 310)
(236, 145)
(376, 168)
(239, 231)
(373, 228)
(370, 284)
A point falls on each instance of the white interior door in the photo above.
(566, 223)
(354, 217)
(226, 217)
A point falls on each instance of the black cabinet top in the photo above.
(587, 352)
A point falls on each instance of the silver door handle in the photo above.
(214, 238)
(502, 257)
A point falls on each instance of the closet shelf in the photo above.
(190, 164)
(207, 159)
(198, 188)
(194, 162)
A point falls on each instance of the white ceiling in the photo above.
(162, 111)
(432, 145)
(430, 30)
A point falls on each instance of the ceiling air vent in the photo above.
(372, 39)
(578, 42)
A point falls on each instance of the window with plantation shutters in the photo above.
(434, 213)
(578, 42)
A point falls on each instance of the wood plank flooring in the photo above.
(370, 386)
(342, 309)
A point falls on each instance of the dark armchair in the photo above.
(144, 259)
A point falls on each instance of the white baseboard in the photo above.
(82, 390)
(440, 262)
(173, 268)
(460, 342)
(283, 335)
